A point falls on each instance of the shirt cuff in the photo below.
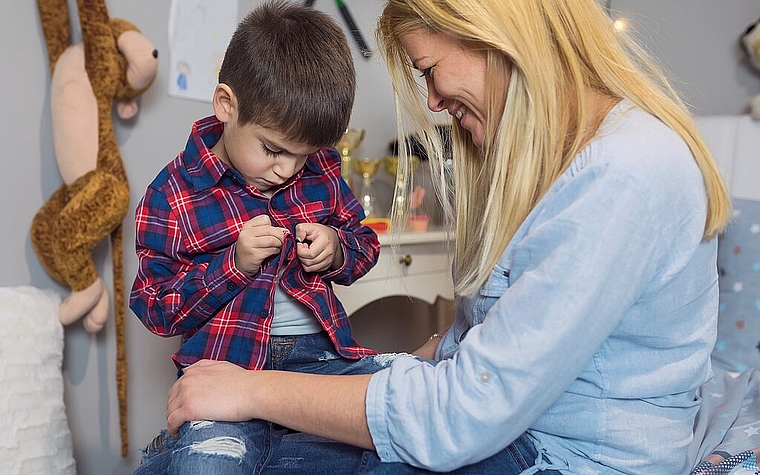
(223, 278)
(333, 274)
(376, 415)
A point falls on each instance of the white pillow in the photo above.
(34, 431)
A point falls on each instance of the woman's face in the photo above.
(455, 78)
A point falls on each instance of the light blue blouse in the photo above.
(593, 332)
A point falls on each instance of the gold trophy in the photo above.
(350, 141)
(367, 167)
(400, 208)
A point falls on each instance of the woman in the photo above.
(586, 212)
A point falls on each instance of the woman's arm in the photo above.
(328, 406)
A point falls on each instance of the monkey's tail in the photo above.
(117, 244)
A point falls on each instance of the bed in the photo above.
(728, 425)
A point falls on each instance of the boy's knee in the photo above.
(224, 446)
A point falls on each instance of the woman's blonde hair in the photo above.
(557, 52)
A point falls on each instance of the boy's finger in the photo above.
(260, 220)
(302, 233)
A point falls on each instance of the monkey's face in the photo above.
(141, 59)
(751, 41)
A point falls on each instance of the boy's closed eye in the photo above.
(269, 152)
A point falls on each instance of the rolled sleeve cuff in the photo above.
(223, 279)
(376, 416)
(344, 271)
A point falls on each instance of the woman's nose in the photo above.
(435, 102)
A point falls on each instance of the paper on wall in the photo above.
(199, 31)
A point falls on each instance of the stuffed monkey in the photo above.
(751, 42)
(113, 63)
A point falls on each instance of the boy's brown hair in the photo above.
(291, 70)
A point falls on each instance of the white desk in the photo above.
(410, 264)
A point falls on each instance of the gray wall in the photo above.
(698, 42)
(696, 39)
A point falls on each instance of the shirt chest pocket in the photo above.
(311, 212)
(497, 283)
(314, 212)
(490, 292)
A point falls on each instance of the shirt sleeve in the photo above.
(172, 294)
(359, 243)
(566, 295)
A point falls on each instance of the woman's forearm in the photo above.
(329, 406)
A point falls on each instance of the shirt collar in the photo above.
(205, 169)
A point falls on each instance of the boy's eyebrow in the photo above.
(273, 144)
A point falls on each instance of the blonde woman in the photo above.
(586, 210)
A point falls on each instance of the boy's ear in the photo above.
(225, 103)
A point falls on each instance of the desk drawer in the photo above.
(410, 259)
(416, 269)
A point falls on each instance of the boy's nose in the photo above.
(285, 170)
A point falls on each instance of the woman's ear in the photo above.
(225, 103)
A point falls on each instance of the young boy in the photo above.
(240, 238)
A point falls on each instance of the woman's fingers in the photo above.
(208, 390)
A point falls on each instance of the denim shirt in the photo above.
(592, 333)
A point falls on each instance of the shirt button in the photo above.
(485, 377)
(231, 286)
(265, 313)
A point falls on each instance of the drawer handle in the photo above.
(406, 260)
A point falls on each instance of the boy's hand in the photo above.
(258, 240)
(318, 247)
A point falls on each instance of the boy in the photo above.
(239, 238)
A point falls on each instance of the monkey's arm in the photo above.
(54, 18)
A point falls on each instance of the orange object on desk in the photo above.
(379, 225)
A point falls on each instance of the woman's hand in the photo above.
(427, 351)
(209, 390)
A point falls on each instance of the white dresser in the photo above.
(410, 264)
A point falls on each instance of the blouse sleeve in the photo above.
(578, 266)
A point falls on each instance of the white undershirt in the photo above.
(291, 317)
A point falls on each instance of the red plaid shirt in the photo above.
(187, 226)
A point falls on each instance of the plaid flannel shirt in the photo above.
(187, 225)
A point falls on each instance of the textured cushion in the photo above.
(34, 432)
(738, 346)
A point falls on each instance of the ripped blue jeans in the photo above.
(304, 454)
(211, 447)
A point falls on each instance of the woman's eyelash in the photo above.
(270, 152)
(425, 72)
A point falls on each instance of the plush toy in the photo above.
(751, 42)
(113, 64)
